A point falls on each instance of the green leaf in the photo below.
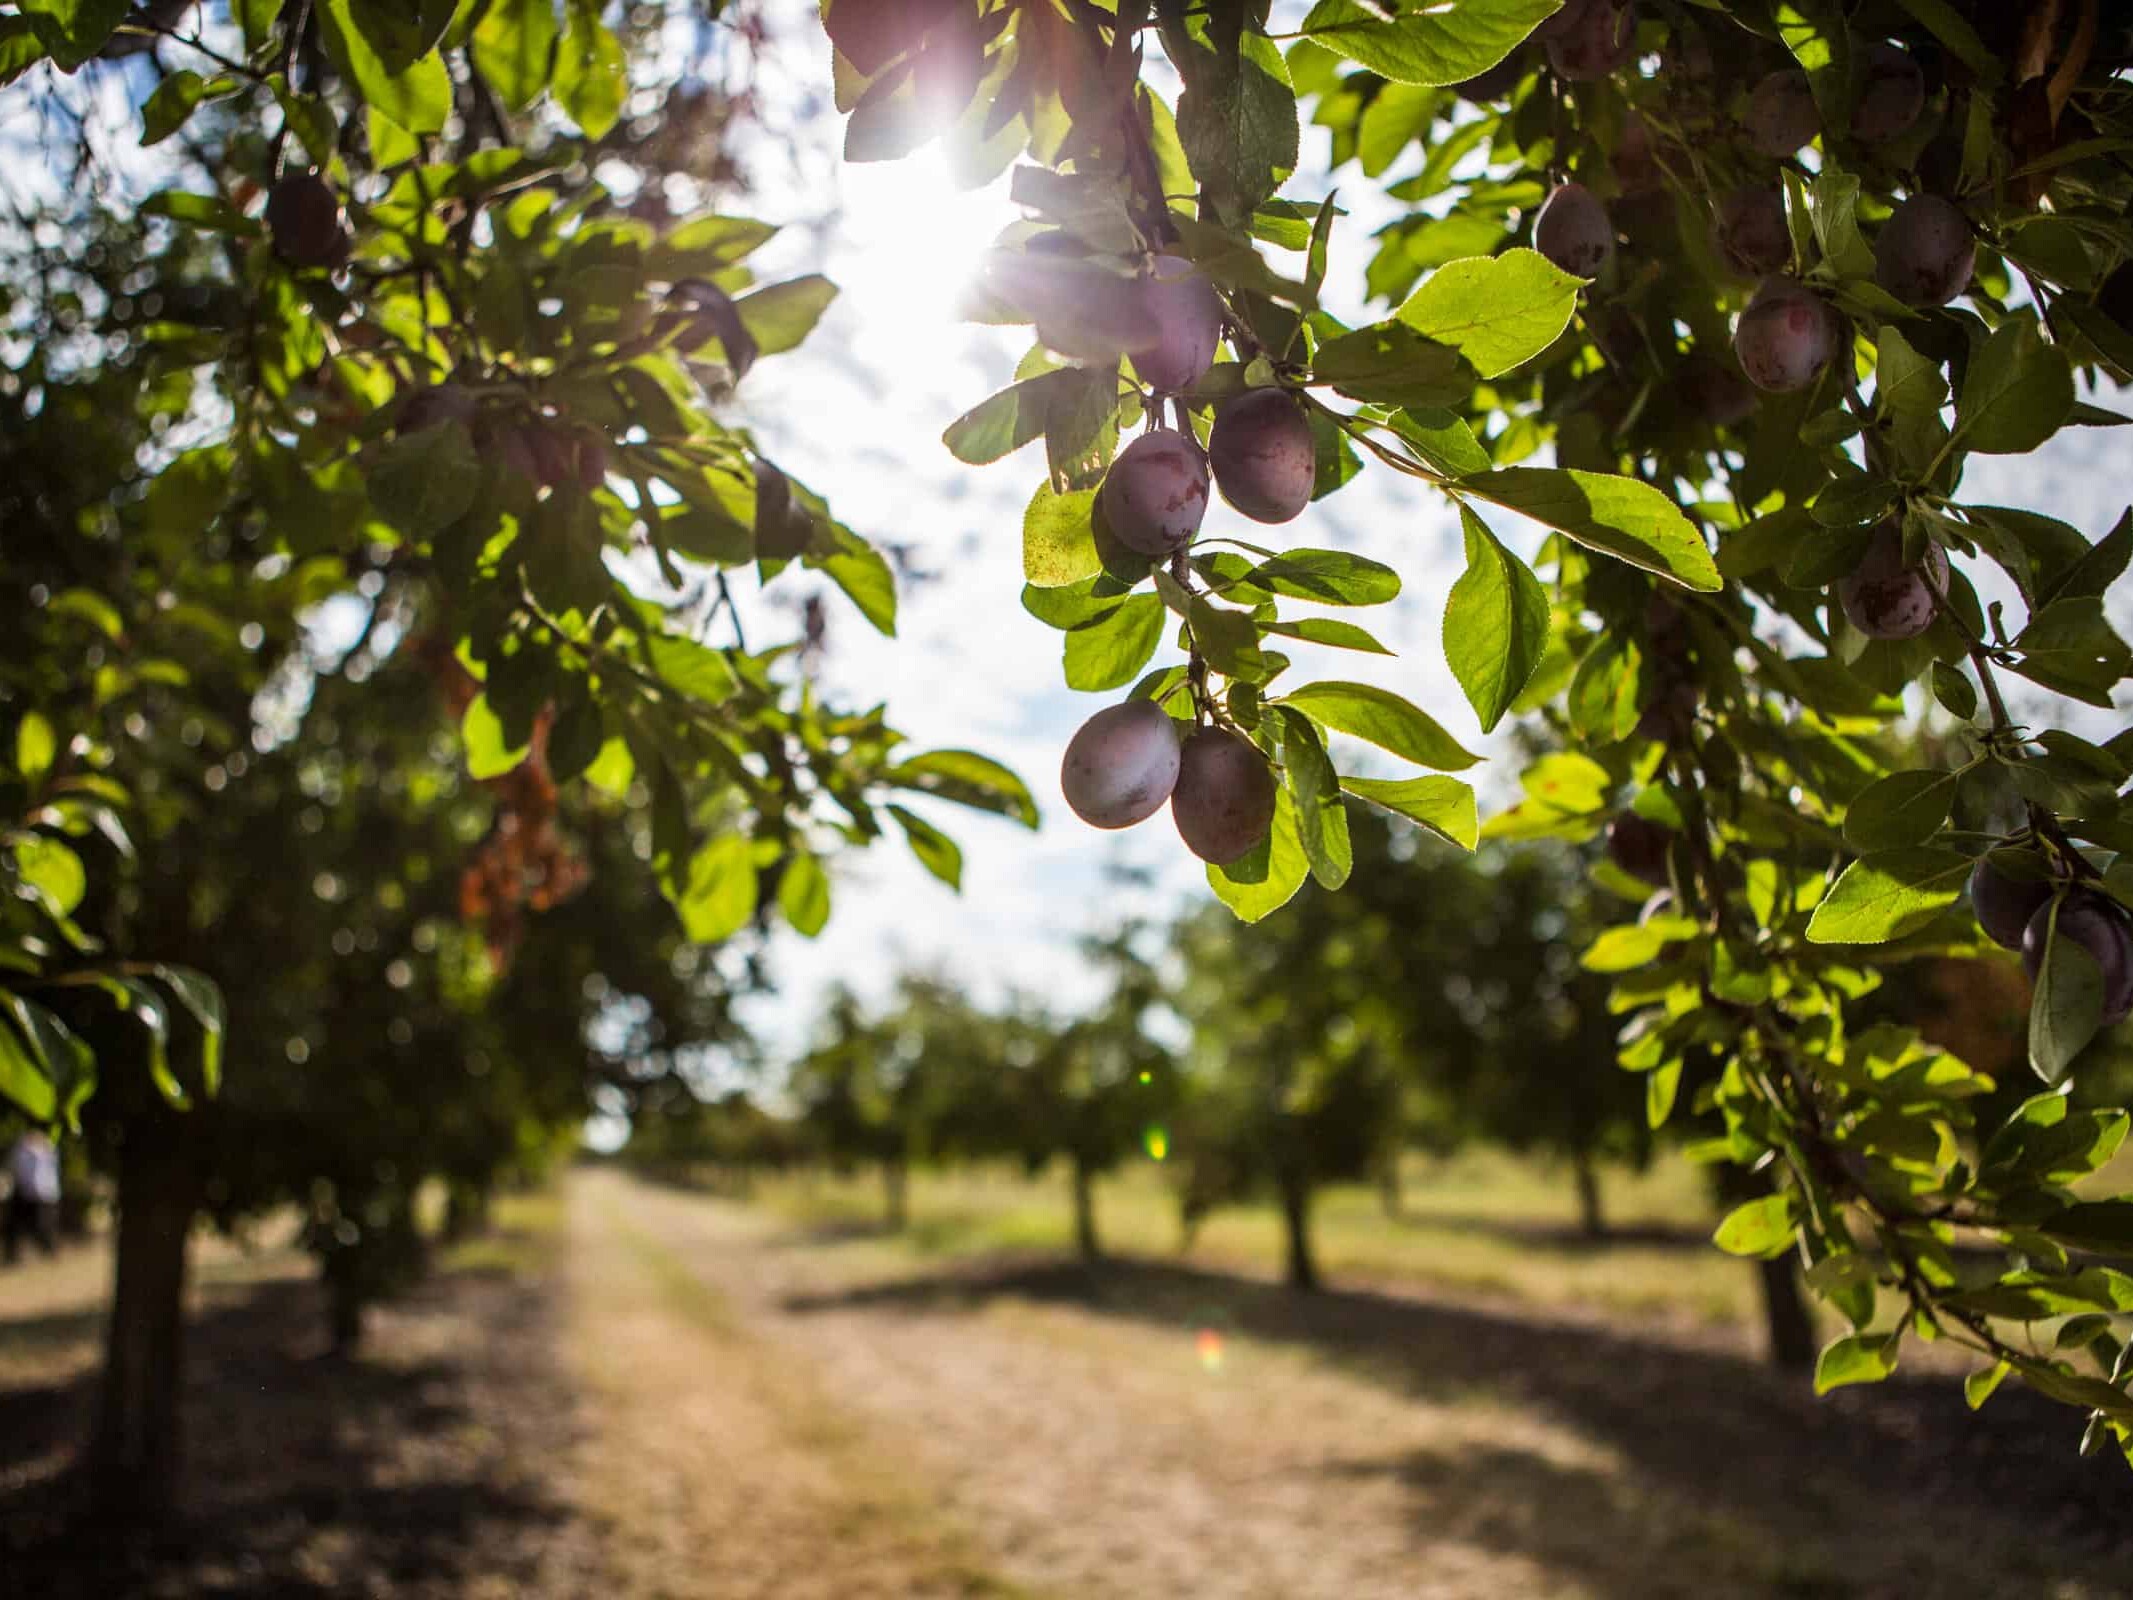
(175, 99)
(1904, 380)
(1956, 694)
(1446, 42)
(53, 870)
(1384, 719)
(1497, 311)
(1321, 824)
(1495, 623)
(1443, 439)
(20, 48)
(482, 731)
(863, 574)
(36, 747)
(720, 894)
(417, 98)
(1330, 577)
(2070, 646)
(1901, 809)
(1007, 421)
(2017, 392)
(591, 74)
(1952, 29)
(1389, 363)
(1887, 895)
(2105, 1226)
(1059, 537)
(1856, 1358)
(1109, 652)
(1762, 1228)
(783, 314)
(1328, 631)
(1445, 806)
(936, 852)
(1267, 879)
(1616, 516)
(74, 30)
(1978, 1386)
(804, 894)
(423, 482)
(21, 1084)
(514, 48)
(2068, 1005)
(695, 670)
(1237, 123)
(202, 999)
(968, 779)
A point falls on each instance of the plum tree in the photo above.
(1121, 765)
(1750, 232)
(1640, 847)
(1224, 800)
(1636, 166)
(784, 529)
(1591, 39)
(434, 403)
(1263, 455)
(1715, 391)
(2004, 902)
(1573, 231)
(1156, 492)
(1785, 337)
(1892, 93)
(1489, 88)
(1188, 319)
(304, 222)
(1885, 597)
(1926, 253)
(1780, 116)
(2097, 924)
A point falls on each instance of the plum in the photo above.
(1891, 96)
(1574, 232)
(1640, 846)
(1780, 115)
(1156, 492)
(1264, 458)
(1121, 765)
(1884, 598)
(1785, 337)
(1224, 800)
(304, 222)
(1926, 253)
(1716, 393)
(2098, 924)
(2004, 903)
(589, 460)
(1750, 232)
(1636, 167)
(1493, 86)
(432, 404)
(1591, 39)
(1188, 319)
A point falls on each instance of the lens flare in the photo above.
(1155, 1139)
(1207, 1343)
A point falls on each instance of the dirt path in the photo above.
(1153, 1431)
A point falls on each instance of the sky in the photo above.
(858, 412)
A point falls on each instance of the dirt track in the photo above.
(689, 1400)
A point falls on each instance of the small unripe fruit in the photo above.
(1640, 846)
(1597, 38)
(1750, 232)
(1224, 800)
(1188, 319)
(1785, 337)
(1926, 253)
(1574, 232)
(304, 222)
(426, 407)
(2099, 925)
(1121, 765)
(2004, 903)
(1781, 115)
(1156, 492)
(1892, 97)
(1883, 598)
(1490, 88)
(1264, 458)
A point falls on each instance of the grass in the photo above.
(1480, 1221)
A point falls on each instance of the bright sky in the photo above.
(858, 413)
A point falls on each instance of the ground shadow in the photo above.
(1569, 1237)
(386, 1465)
(1752, 1447)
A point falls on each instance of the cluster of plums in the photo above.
(304, 222)
(1124, 762)
(2016, 913)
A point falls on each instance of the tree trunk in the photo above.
(1390, 1195)
(1296, 1212)
(1591, 1219)
(1085, 1212)
(894, 1187)
(134, 1456)
(466, 1211)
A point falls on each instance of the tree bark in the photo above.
(136, 1451)
(1592, 1220)
(1296, 1213)
(1085, 1238)
(895, 1198)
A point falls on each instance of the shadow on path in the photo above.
(1719, 1431)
